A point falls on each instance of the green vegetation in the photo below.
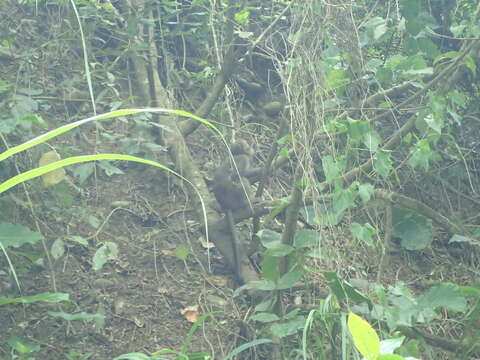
(364, 241)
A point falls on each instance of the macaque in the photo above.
(233, 191)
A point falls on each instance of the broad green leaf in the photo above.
(357, 129)
(279, 250)
(414, 229)
(107, 251)
(364, 337)
(447, 296)
(265, 317)
(382, 163)
(470, 64)
(331, 168)
(306, 238)
(269, 266)
(289, 280)
(58, 249)
(343, 290)
(420, 155)
(287, 328)
(266, 285)
(344, 198)
(363, 232)
(13, 235)
(270, 238)
(372, 140)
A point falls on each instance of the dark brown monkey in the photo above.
(232, 190)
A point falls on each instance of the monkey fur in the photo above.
(232, 190)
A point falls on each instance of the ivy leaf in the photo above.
(420, 155)
(365, 191)
(382, 163)
(372, 140)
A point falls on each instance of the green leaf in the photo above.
(336, 79)
(363, 232)
(357, 129)
(109, 168)
(414, 230)
(58, 249)
(447, 296)
(279, 250)
(457, 98)
(410, 8)
(414, 26)
(22, 347)
(13, 235)
(427, 47)
(384, 75)
(47, 297)
(182, 253)
(270, 238)
(434, 122)
(308, 214)
(78, 239)
(364, 337)
(306, 238)
(289, 280)
(382, 163)
(470, 64)
(372, 140)
(108, 251)
(269, 266)
(331, 168)
(265, 285)
(344, 198)
(288, 328)
(390, 357)
(265, 317)
(365, 191)
(242, 16)
(420, 155)
(343, 290)
(83, 172)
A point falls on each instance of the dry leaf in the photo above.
(206, 244)
(53, 177)
(191, 313)
(139, 322)
(220, 281)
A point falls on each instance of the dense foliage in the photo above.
(366, 115)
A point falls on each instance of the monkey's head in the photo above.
(241, 147)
